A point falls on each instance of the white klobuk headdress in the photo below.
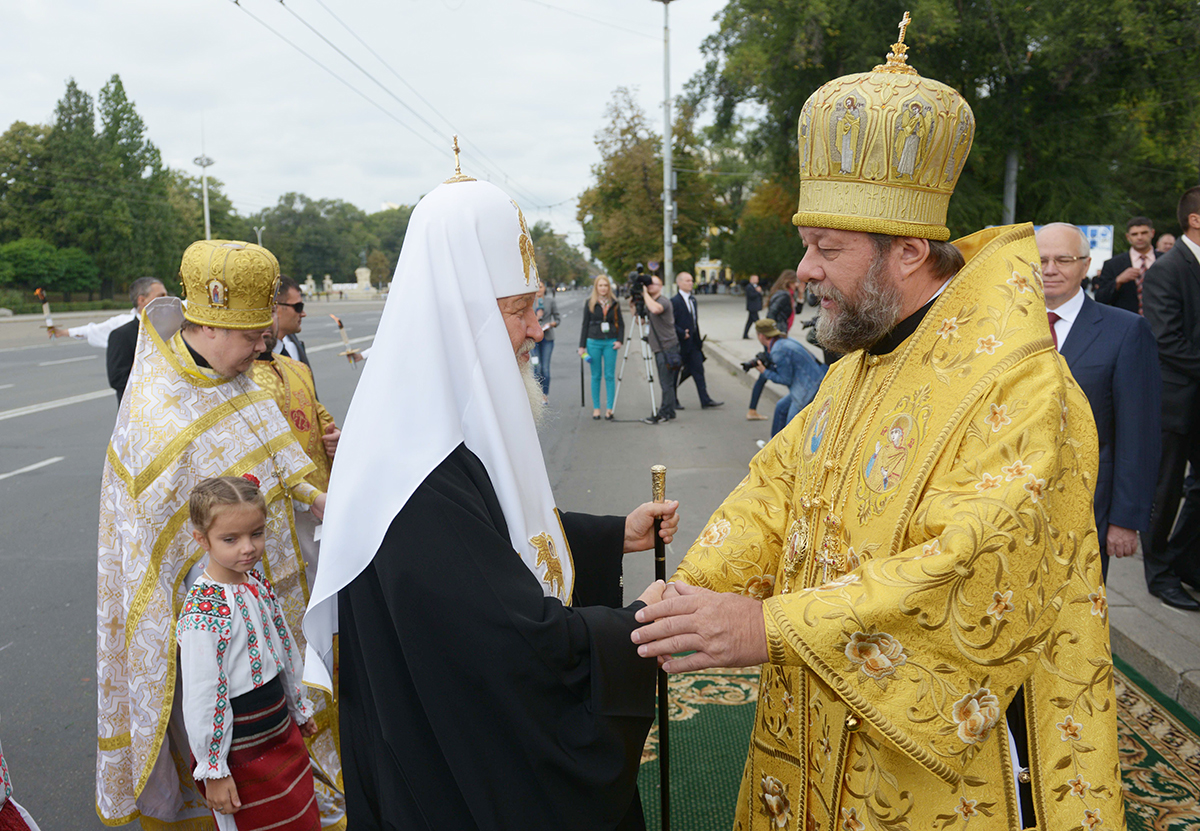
(442, 372)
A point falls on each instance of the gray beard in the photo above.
(533, 387)
(862, 323)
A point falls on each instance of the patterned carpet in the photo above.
(712, 713)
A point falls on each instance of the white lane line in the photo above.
(50, 405)
(5, 386)
(28, 468)
(338, 344)
(6, 646)
(69, 360)
(52, 342)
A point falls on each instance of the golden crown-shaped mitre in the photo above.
(881, 151)
(229, 284)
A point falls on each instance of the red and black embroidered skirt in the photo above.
(270, 764)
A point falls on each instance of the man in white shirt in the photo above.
(1120, 280)
(289, 311)
(1114, 358)
(141, 292)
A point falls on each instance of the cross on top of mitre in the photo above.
(897, 59)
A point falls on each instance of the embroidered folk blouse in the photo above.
(233, 638)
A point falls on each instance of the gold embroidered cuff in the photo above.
(779, 651)
(304, 493)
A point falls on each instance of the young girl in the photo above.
(242, 703)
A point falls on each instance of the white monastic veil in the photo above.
(442, 372)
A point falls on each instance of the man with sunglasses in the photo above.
(289, 311)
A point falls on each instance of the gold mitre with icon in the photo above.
(229, 284)
(881, 151)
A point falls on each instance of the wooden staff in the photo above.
(658, 476)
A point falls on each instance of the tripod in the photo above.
(640, 327)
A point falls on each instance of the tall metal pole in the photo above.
(668, 191)
(1010, 188)
(204, 162)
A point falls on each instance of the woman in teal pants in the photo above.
(600, 340)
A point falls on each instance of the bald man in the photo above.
(1113, 356)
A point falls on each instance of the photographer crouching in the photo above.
(663, 341)
(786, 362)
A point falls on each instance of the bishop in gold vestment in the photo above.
(917, 547)
(180, 422)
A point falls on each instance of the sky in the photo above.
(523, 82)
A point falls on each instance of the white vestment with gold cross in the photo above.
(179, 424)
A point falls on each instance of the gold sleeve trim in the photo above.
(114, 742)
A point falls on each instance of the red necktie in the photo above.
(1142, 266)
(1054, 318)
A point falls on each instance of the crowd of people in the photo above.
(392, 624)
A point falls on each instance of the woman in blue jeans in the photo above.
(600, 339)
(547, 314)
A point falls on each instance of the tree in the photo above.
(1100, 102)
(557, 260)
(25, 183)
(765, 242)
(316, 236)
(76, 272)
(31, 263)
(621, 213)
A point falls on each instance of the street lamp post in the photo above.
(205, 162)
(668, 195)
(258, 229)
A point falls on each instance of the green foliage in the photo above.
(622, 212)
(31, 263)
(766, 242)
(557, 260)
(315, 236)
(1101, 101)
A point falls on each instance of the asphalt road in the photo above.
(51, 459)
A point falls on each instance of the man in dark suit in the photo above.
(123, 340)
(687, 327)
(1120, 280)
(289, 311)
(1171, 299)
(753, 305)
(1113, 356)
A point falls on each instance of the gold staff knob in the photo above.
(658, 475)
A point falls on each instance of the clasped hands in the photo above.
(720, 629)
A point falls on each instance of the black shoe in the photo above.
(1190, 582)
(1177, 597)
(711, 405)
(653, 419)
(680, 407)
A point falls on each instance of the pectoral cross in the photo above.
(904, 26)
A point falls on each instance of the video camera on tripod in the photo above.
(638, 280)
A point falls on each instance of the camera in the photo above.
(638, 280)
(763, 357)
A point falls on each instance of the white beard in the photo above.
(533, 386)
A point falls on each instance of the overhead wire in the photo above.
(592, 19)
(356, 90)
(523, 192)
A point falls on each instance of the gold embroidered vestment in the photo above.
(923, 541)
(290, 383)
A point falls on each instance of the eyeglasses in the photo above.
(1061, 262)
(299, 307)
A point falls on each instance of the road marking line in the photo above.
(5, 386)
(338, 343)
(52, 342)
(50, 405)
(32, 467)
(6, 646)
(68, 360)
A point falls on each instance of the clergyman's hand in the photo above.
(318, 507)
(639, 525)
(721, 629)
(1121, 542)
(330, 439)
(653, 592)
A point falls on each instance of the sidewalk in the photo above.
(1160, 642)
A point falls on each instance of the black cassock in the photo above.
(468, 698)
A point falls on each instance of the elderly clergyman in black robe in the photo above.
(487, 678)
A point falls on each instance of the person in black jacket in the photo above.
(691, 342)
(603, 331)
(753, 305)
(1120, 280)
(1171, 299)
(123, 340)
